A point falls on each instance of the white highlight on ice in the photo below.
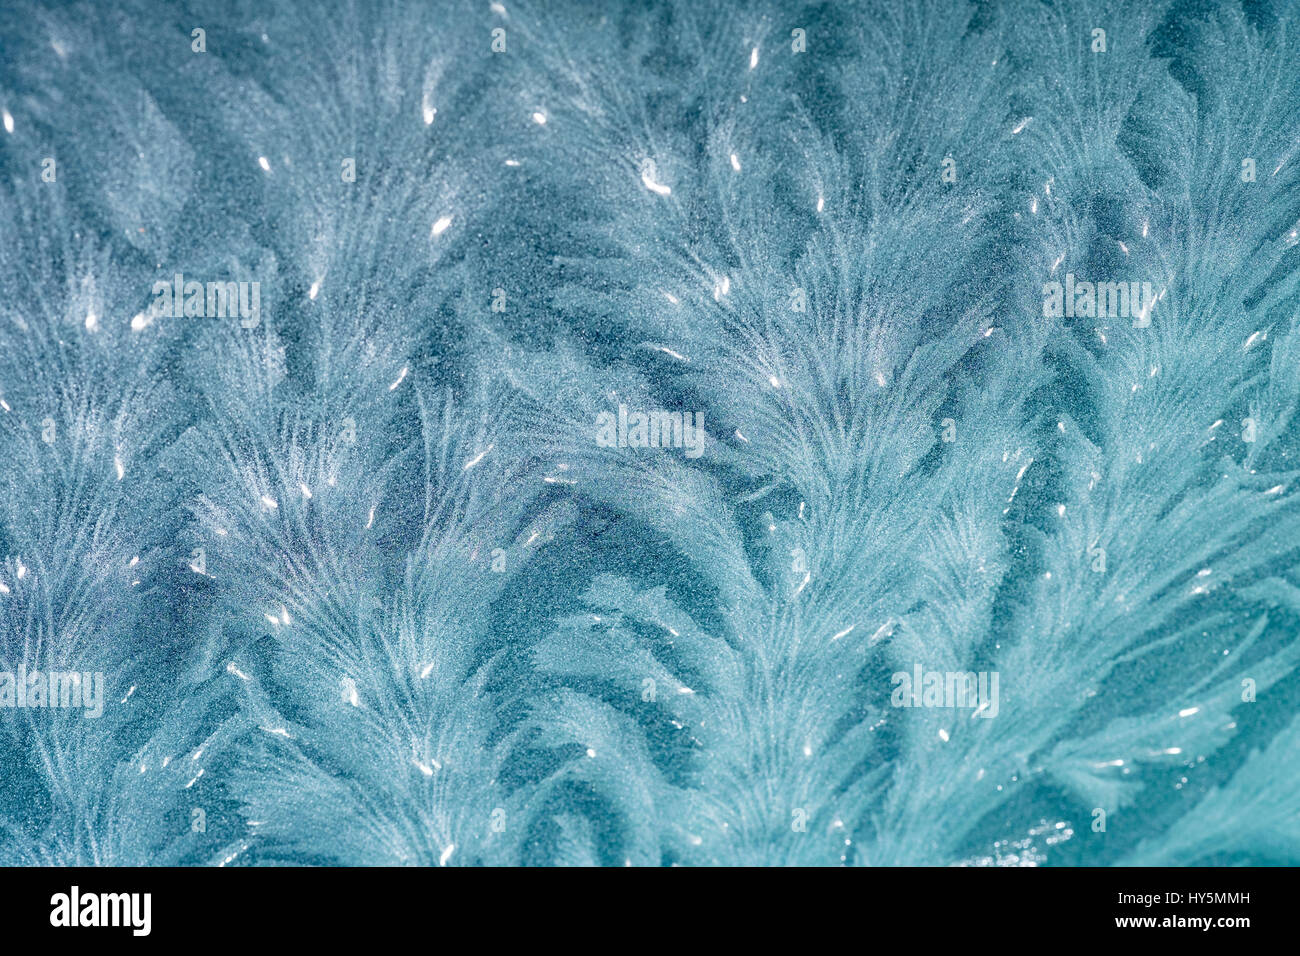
(821, 202)
(9, 121)
(539, 118)
(735, 162)
(429, 111)
(314, 290)
(476, 459)
(844, 633)
(753, 58)
(306, 492)
(235, 671)
(117, 464)
(371, 519)
(425, 768)
(350, 691)
(653, 186)
(264, 163)
(446, 855)
(441, 225)
(400, 377)
(885, 630)
(270, 502)
(667, 351)
(1188, 712)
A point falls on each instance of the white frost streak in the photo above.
(350, 691)
(667, 351)
(232, 669)
(477, 458)
(654, 187)
(885, 630)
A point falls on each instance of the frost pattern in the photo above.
(365, 581)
